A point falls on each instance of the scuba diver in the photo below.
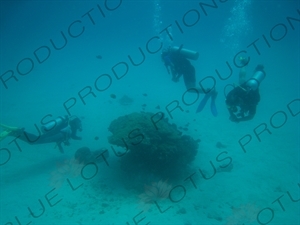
(60, 130)
(243, 99)
(176, 62)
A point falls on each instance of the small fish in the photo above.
(125, 100)
(99, 57)
(220, 145)
(113, 96)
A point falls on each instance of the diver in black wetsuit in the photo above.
(243, 99)
(179, 66)
(60, 131)
(177, 63)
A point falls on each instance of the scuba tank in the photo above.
(189, 54)
(254, 82)
(59, 122)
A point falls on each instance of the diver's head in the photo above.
(75, 123)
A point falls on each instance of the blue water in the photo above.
(73, 57)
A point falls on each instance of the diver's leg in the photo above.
(28, 137)
(209, 93)
(189, 78)
(243, 71)
(242, 75)
(58, 138)
(38, 139)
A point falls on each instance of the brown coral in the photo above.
(159, 151)
(70, 168)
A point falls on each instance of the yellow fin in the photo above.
(9, 128)
(4, 134)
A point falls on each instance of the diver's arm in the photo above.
(171, 69)
(252, 107)
(60, 147)
(74, 136)
(176, 76)
(242, 75)
(232, 116)
(231, 110)
(230, 106)
(251, 114)
(167, 67)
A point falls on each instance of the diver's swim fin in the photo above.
(7, 131)
(8, 127)
(213, 94)
(203, 103)
(4, 134)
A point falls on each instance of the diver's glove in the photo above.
(244, 61)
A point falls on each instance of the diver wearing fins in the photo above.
(60, 131)
(243, 99)
(177, 64)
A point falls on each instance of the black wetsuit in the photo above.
(179, 66)
(59, 134)
(241, 103)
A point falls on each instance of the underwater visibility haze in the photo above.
(150, 112)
